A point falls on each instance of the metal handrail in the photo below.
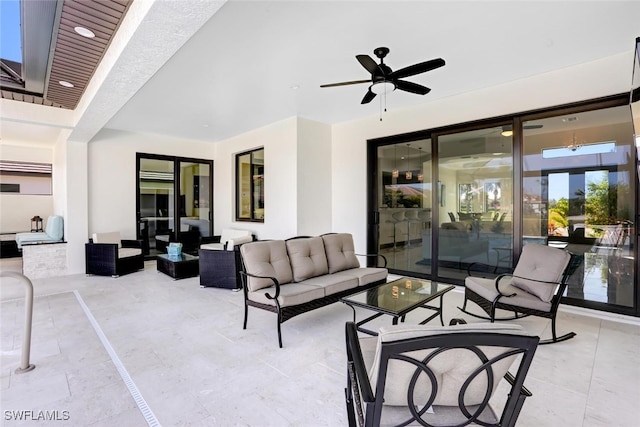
(25, 366)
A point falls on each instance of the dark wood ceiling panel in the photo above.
(76, 58)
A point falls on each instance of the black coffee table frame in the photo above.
(396, 299)
(178, 267)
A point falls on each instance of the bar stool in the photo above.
(412, 218)
(396, 218)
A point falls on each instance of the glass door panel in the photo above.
(405, 194)
(474, 225)
(195, 204)
(156, 203)
(579, 194)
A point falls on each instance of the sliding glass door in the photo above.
(475, 219)
(174, 202)
(405, 194)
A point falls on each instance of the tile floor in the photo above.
(144, 349)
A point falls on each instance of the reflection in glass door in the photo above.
(156, 202)
(194, 202)
(404, 209)
(174, 202)
(580, 195)
(474, 224)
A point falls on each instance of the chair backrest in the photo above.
(112, 237)
(540, 270)
(237, 236)
(439, 375)
(54, 227)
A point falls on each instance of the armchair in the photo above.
(533, 289)
(219, 262)
(438, 375)
(107, 255)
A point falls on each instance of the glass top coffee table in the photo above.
(397, 298)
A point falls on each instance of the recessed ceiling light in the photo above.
(295, 87)
(65, 83)
(85, 32)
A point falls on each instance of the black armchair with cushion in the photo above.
(438, 376)
(107, 255)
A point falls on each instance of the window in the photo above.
(250, 186)
(25, 178)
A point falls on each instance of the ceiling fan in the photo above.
(384, 80)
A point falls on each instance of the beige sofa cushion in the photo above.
(451, 368)
(292, 294)
(307, 257)
(543, 264)
(266, 258)
(129, 252)
(340, 252)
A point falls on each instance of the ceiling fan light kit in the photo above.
(384, 80)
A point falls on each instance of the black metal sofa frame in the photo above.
(288, 312)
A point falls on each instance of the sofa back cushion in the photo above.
(112, 237)
(54, 228)
(266, 258)
(308, 258)
(544, 265)
(340, 252)
(451, 368)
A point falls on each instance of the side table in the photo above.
(178, 267)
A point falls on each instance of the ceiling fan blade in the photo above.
(354, 82)
(422, 67)
(368, 97)
(368, 63)
(412, 87)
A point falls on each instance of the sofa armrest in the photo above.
(276, 284)
(101, 252)
(378, 256)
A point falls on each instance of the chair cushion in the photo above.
(212, 246)
(266, 258)
(112, 237)
(340, 252)
(543, 264)
(232, 234)
(54, 227)
(487, 290)
(333, 283)
(451, 368)
(307, 257)
(129, 252)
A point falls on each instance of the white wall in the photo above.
(280, 180)
(112, 175)
(16, 210)
(314, 178)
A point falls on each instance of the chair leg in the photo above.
(279, 334)
(556, 338)
(246, 310)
